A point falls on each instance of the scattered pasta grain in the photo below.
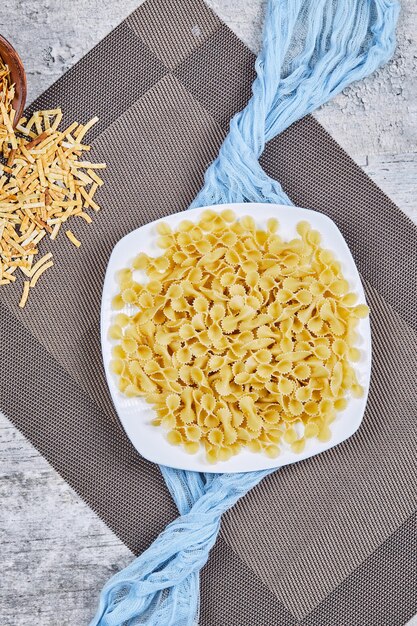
(42, 185)
(73, 239)
(39, 273)
(25, 294)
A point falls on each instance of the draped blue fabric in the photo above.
(312, 49)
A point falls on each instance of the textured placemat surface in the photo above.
(329, 541)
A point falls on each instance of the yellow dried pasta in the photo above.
(238, 339)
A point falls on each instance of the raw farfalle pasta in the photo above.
(238, 338)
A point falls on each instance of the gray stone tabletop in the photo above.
(55, 552)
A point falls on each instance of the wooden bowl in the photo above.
(18, 76)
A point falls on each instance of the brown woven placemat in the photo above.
(329, 541)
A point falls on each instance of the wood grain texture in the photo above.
(55, 553)
(10, 57)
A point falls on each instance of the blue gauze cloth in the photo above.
(312, 49)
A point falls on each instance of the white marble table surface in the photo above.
(55, 552)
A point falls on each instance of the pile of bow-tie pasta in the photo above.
(238, 338)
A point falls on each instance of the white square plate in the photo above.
(135, 414)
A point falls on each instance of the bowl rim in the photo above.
(18, 75)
